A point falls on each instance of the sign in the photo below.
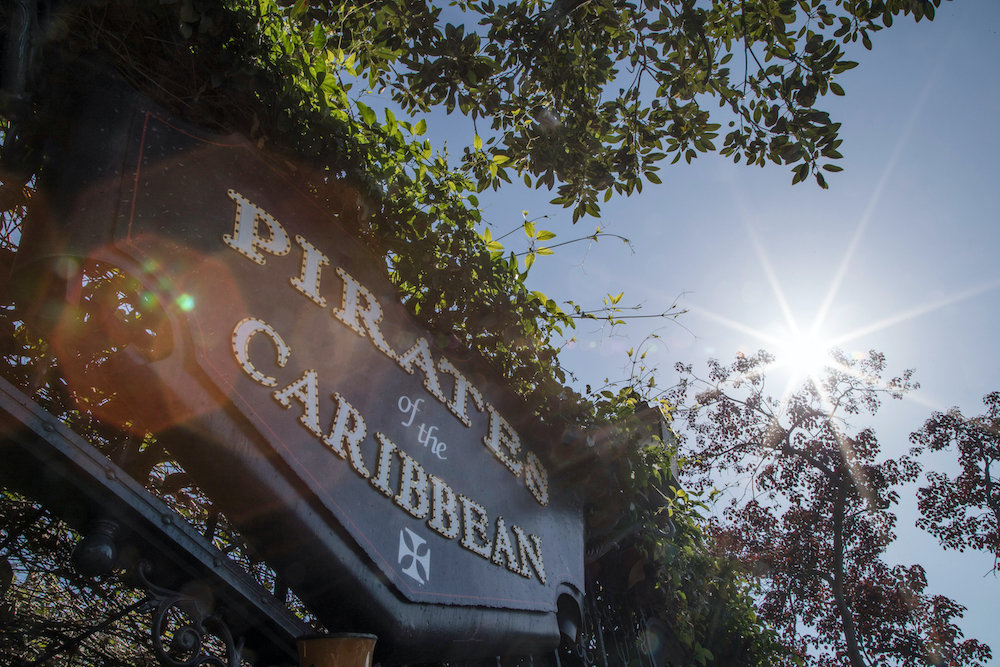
(299, 392)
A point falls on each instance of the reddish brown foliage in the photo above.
(964, 511)
(813, 522)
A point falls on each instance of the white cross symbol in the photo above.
(410, 545)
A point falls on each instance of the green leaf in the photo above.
(529, 259)
(544, 251)
(800, 171)
(366, 113)
(529, 229)
(844, 65)
(616, 299)
(477, 143)
(318, 37)
(420, 128)
(545, 235)
(299, 8)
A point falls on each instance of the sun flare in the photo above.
(803, 353)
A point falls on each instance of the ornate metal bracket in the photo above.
(185, 629)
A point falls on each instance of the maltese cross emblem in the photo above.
(414, 556)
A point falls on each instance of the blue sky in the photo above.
(901, 251)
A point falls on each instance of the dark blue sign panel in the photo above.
(293, 321)
(398, 489)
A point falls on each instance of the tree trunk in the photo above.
(846, 618)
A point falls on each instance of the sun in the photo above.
(805, 354)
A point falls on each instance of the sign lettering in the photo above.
(361, 312)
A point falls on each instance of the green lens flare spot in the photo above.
(185, 302)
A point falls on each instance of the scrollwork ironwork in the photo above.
(185, 629)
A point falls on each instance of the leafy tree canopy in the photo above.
(964, 511)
